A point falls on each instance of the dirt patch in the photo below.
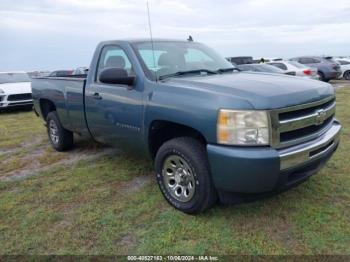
(37, 156)
(25, 145)
(133, 185)
(34, 166)
(136, 184)
(337, 84)
(127, 240)
(282, 231)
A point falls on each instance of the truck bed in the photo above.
(68, 93)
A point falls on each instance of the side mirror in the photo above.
(116, 76)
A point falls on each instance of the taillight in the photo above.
(307, 72)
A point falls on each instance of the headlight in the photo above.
(237, 127)
(2, 91)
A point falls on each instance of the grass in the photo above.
(19, 128)
(112, 205)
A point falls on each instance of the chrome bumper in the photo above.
(300, 154)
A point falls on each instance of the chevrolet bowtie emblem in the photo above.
(321, 116)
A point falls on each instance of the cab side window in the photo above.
(115, 57)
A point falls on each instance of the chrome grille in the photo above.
(298, 124)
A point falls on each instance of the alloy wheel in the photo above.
(178, 178)
(53, 130)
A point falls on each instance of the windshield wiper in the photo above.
(180, 73)
(230, 69)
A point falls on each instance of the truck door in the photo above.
(114, 112)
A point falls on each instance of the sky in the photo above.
(62, 34)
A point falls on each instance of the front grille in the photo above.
(298, 124)
(19, 97)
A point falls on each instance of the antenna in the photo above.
(150, 32)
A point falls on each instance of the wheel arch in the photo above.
(161, 131)
(346, 72)
(46, 106)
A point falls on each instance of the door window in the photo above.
(114, 56)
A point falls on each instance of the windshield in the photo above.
(14, 78)
(171, 57)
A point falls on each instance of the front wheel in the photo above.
(183, 175)
(346, 75)
(60, 138)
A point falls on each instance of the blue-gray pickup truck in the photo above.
(212, 131)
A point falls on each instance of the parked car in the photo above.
(15, 90)
(345, 67)
(80, 71)
(299, 69)
(61, 73)
(240, 60)
(264, 68)
(327, 68)
(267, 59)
(212, 131)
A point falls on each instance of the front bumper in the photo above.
(259, 170)
(5, 103)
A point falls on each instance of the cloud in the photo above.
(63, 33)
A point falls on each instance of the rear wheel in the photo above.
(321, 76)
(183, 175)
(346, 75)
(61, 139)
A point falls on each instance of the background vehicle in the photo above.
(80, 71)
(264, 68)
(15, 90)
(345, 67)
(327, 69)
(240, 60)
(299, 69)
(211, 130)
(61, 73)
(262, 60)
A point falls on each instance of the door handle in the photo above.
(97, 96)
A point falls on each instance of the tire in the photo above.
(322, 77)
(346, 75)
(61, 139)
(182, 163)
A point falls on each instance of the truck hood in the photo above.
(16, 88)
(260, 90)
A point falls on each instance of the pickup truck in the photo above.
(212, 131)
